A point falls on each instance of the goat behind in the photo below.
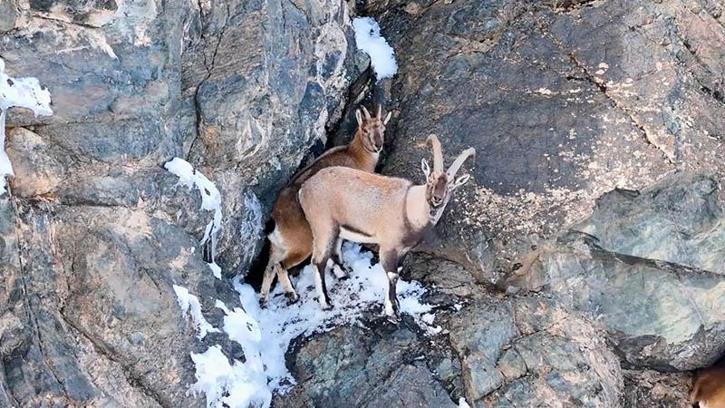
(291, 239)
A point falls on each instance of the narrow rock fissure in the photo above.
(199, 117)
(28, 301)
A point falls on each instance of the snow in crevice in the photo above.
(211, 200)
(20, 93)
(191, 307)
(369, 40)
(233, 385)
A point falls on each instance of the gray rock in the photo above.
(660, 318)
(681, 220)
(378, 367)
(8, 15)
(529, 351)
(653, 389)
(660, 315)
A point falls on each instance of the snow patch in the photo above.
(211, 198)
(190, 305)
(352, 298)
(462, 403)
(21, 93)
(229, 385)
(369, 40)
(216, 270)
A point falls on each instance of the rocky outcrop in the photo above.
(659, 314)
(563, 102)
(96, 232)
(374, 367)
(529, 350)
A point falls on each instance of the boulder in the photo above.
(659, 312)
(369, 367)
(680, 220)
(530, 351)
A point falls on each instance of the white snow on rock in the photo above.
(211, 198)
(369, 40)
(462, 403)
(190, 306)
(229, 385)
(216, 270)
(280, 323)
(21, 93)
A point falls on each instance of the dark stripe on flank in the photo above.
(357, 231)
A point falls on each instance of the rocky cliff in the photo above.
(582, 266)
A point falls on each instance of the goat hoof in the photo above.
(340, 273)
(327, 307)
(263, 303)
(292, 298)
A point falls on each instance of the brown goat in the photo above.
(291, 240)
(708, 390)
(370, 208)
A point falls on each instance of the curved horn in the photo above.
(451, 173)
(365, 112)
(380, 111)
(437, 154)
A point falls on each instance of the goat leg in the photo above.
(287, 287)
(389, 260)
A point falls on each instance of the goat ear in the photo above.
(425, 167)
(461, 181)
(387, 118)
(358, 116)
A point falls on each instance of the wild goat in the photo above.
(369, 208)
(709, 388)
(291, 240)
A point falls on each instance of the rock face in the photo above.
(368, 368)
(96, 231)
(582, 265)
(530, 350)
(563, 101)
(659, 314)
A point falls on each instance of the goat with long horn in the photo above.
(371, 208)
